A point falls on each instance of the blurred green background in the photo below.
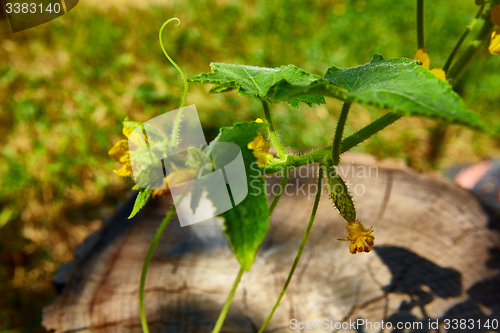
(66, 86)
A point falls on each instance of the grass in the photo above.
(66, 86)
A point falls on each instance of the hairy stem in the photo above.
(225, 308)
(299, 253)
(339, 131)
(282, 154)
(367, 131)
(462, 39)
(149, 255)
(177, 122)
(420, 24)
(462, 62)
(323, 154)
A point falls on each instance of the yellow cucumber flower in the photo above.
(439, 73)
(423, 57)
(361, 239)
(426, 62)
(260, 147)
(120, 153)
(494, 47)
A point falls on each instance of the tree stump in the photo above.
(434, 259)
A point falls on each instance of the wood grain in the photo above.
(434, 257)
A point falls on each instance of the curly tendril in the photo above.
(184, 79)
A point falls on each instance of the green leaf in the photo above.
(398, 84)
(406, 88)
(255, 81)
(247, 223)
(284, 90)
(140, 201)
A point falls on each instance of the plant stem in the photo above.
(277, 197)
(323, 154)
(149, 255)
(299, 253)
(339, 131)
(420, 24)
(437, 140)
(282, 154)
(296, 161)
(481, 37)
(225, 308)
(367, 131)
(462, 39)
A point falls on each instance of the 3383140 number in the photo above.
(32, 8)
(455, 324)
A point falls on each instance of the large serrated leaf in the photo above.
(284, 90)
(406, 88)
(140, 201)
(254, 81)
(247, 223)
(398, 84)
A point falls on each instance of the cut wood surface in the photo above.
(434, 258)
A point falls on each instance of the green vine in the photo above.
(338, 133)
(227, 304)
(466, 33)
(282, 154)
(175, 131)
(480, 39)
(420, 24)
(299, 252)
(147, 260)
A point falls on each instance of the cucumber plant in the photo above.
(404, 87)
